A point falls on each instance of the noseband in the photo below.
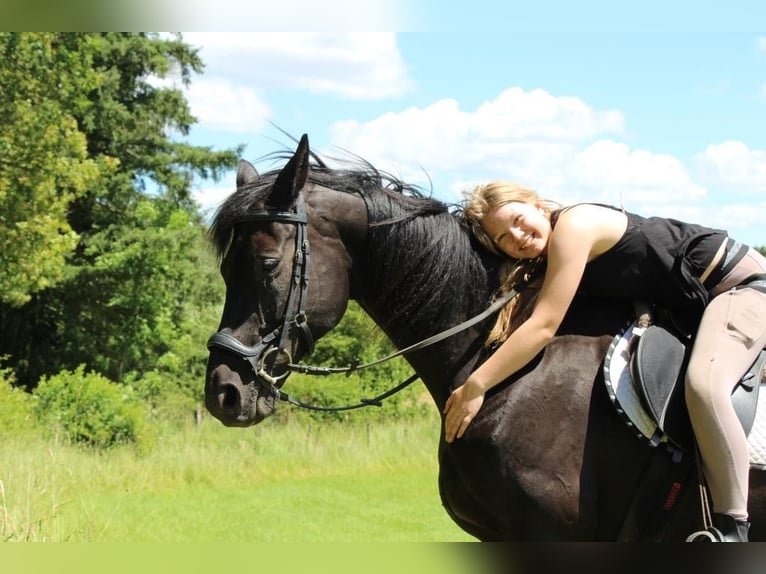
(294, 316)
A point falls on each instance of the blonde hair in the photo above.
(522, 274)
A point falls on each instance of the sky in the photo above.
(659, 109)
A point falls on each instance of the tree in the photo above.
(131, 278)
(43, 161)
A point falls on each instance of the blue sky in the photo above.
(659, 109)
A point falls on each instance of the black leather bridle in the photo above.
(272, 346)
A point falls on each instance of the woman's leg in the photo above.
(730, 336)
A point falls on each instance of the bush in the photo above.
(90, 409)
(168, 403)
(16, 412)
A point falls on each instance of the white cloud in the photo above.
(539, 116)
(209, 198)
(296, 15)
(518, 134)
(734, 168)
(740, 216)
(219, 105)
(560, 146)
(615, 172)
(241, 68)
(360, 65)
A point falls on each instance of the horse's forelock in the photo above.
(238, 205)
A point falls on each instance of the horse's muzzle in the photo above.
(236, 403)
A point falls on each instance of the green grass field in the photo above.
(272, 483)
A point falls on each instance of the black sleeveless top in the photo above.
(659, 261)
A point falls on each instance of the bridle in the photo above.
(296, 317)
(273, 344)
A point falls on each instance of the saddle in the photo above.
(644, 374)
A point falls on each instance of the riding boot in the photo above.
(731, 529)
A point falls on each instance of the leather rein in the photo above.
(262, 356)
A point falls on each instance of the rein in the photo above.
(313, 370)
(378, 401)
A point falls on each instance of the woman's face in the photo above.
(520, 230)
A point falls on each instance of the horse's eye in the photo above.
(268, 264)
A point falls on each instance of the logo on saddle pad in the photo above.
(644, 374)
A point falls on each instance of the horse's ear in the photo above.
(292, 178)
(246, 174)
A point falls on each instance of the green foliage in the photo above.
(169, 405)
(16, 410)
(43, 160)
(109, 269)
(90, 409)
(143, 293)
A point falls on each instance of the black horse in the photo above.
(546, 459)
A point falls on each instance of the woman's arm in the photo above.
(569, 249)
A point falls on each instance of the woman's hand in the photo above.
(461, 408)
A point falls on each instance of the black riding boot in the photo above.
(731, 529)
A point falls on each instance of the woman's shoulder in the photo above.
(590, 213)
(591, 206)
(601, 225)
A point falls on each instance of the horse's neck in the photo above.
(442, 365)
(451, 301)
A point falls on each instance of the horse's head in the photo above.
(283, 243)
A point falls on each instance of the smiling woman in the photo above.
(518, 229)
(713, 288)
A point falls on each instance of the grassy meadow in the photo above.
(296, 482)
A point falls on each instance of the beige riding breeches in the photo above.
(730, 336)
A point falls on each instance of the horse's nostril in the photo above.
(229, 398)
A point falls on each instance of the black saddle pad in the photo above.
(657, 366)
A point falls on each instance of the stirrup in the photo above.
(725, 528)
(711, 534)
